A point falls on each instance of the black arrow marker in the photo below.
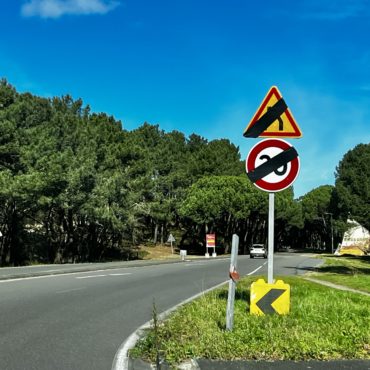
(265, 303)
(273, 164)
(273, 113)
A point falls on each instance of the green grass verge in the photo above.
(353, 272)
(323, 324)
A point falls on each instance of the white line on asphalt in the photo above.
(58, 275)
(195, 264)
(33, 277)
(103, 275)
(30, 266)
(89, 277)
(258, 268)
(120, 361)
(69, 290)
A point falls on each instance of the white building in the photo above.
(356, 240)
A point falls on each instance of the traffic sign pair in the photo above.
(273, 164)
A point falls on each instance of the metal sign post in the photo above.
(234, 276)
(270, 256)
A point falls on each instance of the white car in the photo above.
(258, 250)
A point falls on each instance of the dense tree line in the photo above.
(352, 187)
(75, 186)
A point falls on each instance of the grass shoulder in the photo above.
(350, 271)
(323, 324)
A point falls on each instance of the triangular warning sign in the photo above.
(273, 118)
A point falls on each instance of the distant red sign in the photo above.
(211, 240)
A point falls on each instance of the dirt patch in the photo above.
(159, 252)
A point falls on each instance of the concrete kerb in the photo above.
(121, 359)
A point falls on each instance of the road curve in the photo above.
(78, 320)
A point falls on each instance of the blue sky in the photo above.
(202, 66)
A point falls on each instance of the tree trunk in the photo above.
(162, 235)
(14, 257)
(155, 234)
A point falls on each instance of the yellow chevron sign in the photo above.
(269, 298)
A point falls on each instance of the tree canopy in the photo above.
(352, 185)
(76, 186)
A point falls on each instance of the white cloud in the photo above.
(58, 8)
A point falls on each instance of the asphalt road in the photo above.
(78, 320)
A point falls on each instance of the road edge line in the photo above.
(121, 359)
(257, 269)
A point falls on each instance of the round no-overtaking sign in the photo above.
(272, 165)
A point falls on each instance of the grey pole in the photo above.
(270, 256)
(232, 284)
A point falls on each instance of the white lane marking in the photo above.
(59, 275)
(89, 277)
(68, 290)
(103, 275)
(195, 264)
(258, 268)
(34, 277)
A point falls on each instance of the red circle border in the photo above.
(264, 185)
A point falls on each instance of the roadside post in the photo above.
(183, 254)
(234, 277)
(272, 165)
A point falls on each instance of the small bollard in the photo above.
(183, 254)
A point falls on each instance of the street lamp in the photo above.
(331, 226)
